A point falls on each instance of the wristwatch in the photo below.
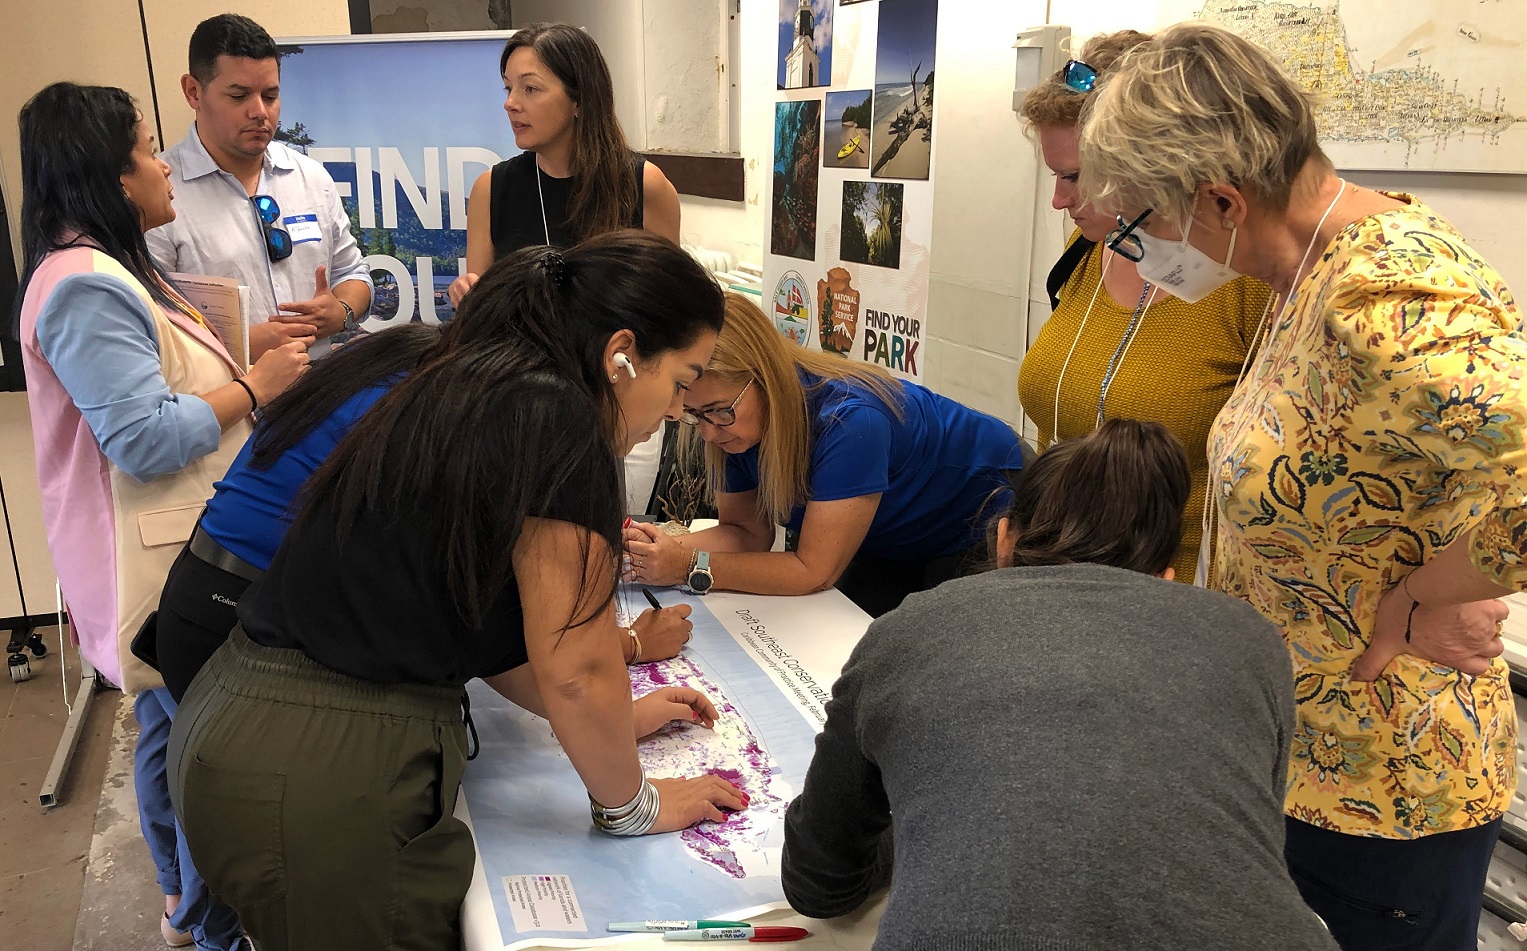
(351, 323)
(700, 578)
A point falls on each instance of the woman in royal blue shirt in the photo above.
(251, 507)
(883, 483)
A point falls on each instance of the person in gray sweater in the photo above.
(1068, 752)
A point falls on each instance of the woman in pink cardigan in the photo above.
(136, 410)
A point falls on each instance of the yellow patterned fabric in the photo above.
(1382, 421)
(1179, 370)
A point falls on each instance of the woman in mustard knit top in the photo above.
(1117, 345)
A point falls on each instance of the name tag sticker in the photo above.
(302, 228)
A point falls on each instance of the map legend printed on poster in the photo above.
(1404, 84)
(530, 815)
(543, 903)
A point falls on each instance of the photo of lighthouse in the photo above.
(805, 43)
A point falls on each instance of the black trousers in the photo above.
(196, 611)
(1393, 894)
(878, 585)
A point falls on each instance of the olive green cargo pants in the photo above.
(319, 807)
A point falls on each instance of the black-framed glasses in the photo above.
(723, 417)
(1078, 76)
(1124, 242)
(278, 243)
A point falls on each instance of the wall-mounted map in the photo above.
(1419, 85)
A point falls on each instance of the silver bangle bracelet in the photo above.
(618, 812)
(634, 818)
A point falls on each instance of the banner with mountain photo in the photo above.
(848, 267)
(404, 123)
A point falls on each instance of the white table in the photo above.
(836, 624)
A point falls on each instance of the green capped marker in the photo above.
(673, 925)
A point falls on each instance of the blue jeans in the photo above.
(1393, 894)
(213, 924)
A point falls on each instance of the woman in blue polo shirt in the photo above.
(250, 510)
(886, 484)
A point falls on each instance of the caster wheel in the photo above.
(36, 645)
(20, 669)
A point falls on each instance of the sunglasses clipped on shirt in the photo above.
(1124, 242)
(278, 243)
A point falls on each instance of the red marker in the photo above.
(756, 933)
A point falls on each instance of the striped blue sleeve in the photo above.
(99, 339)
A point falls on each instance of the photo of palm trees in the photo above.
(872, 223)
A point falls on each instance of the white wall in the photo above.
(684, 66)
(977, 312)
(985, 197)
(726, 225)
(617, 28)
(1477, 205)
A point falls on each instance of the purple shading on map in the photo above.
(731, 751)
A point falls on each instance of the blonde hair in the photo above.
(1053, 103)
(751, 348)
(1197, 105)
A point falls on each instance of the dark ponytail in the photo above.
(1112, 497)
(511, 415)
(319, 393)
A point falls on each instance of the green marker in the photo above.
(673, 925)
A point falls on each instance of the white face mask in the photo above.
(1188, 273)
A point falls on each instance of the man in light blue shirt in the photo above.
(250, 208)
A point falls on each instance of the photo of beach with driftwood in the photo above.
(902, 136)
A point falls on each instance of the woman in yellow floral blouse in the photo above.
(1366, 473)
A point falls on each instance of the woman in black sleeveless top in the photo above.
(576, 176)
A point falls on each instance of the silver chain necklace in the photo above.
(1147, 294)
(546, 230)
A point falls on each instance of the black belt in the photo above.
(204, 547)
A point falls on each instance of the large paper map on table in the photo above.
(1407, 84)
(553, 879)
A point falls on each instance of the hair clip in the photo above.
(554, 265)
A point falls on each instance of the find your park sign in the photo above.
(404, 123)
(846, 262)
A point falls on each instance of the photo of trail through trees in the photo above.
(872, 223)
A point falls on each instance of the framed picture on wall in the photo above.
(428, 16)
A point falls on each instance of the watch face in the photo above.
(700, 582)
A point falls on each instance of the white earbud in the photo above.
(624, 362)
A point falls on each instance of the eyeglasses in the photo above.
(1078, 76)
(278, 244)
(1124, 242)
(716, 417)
